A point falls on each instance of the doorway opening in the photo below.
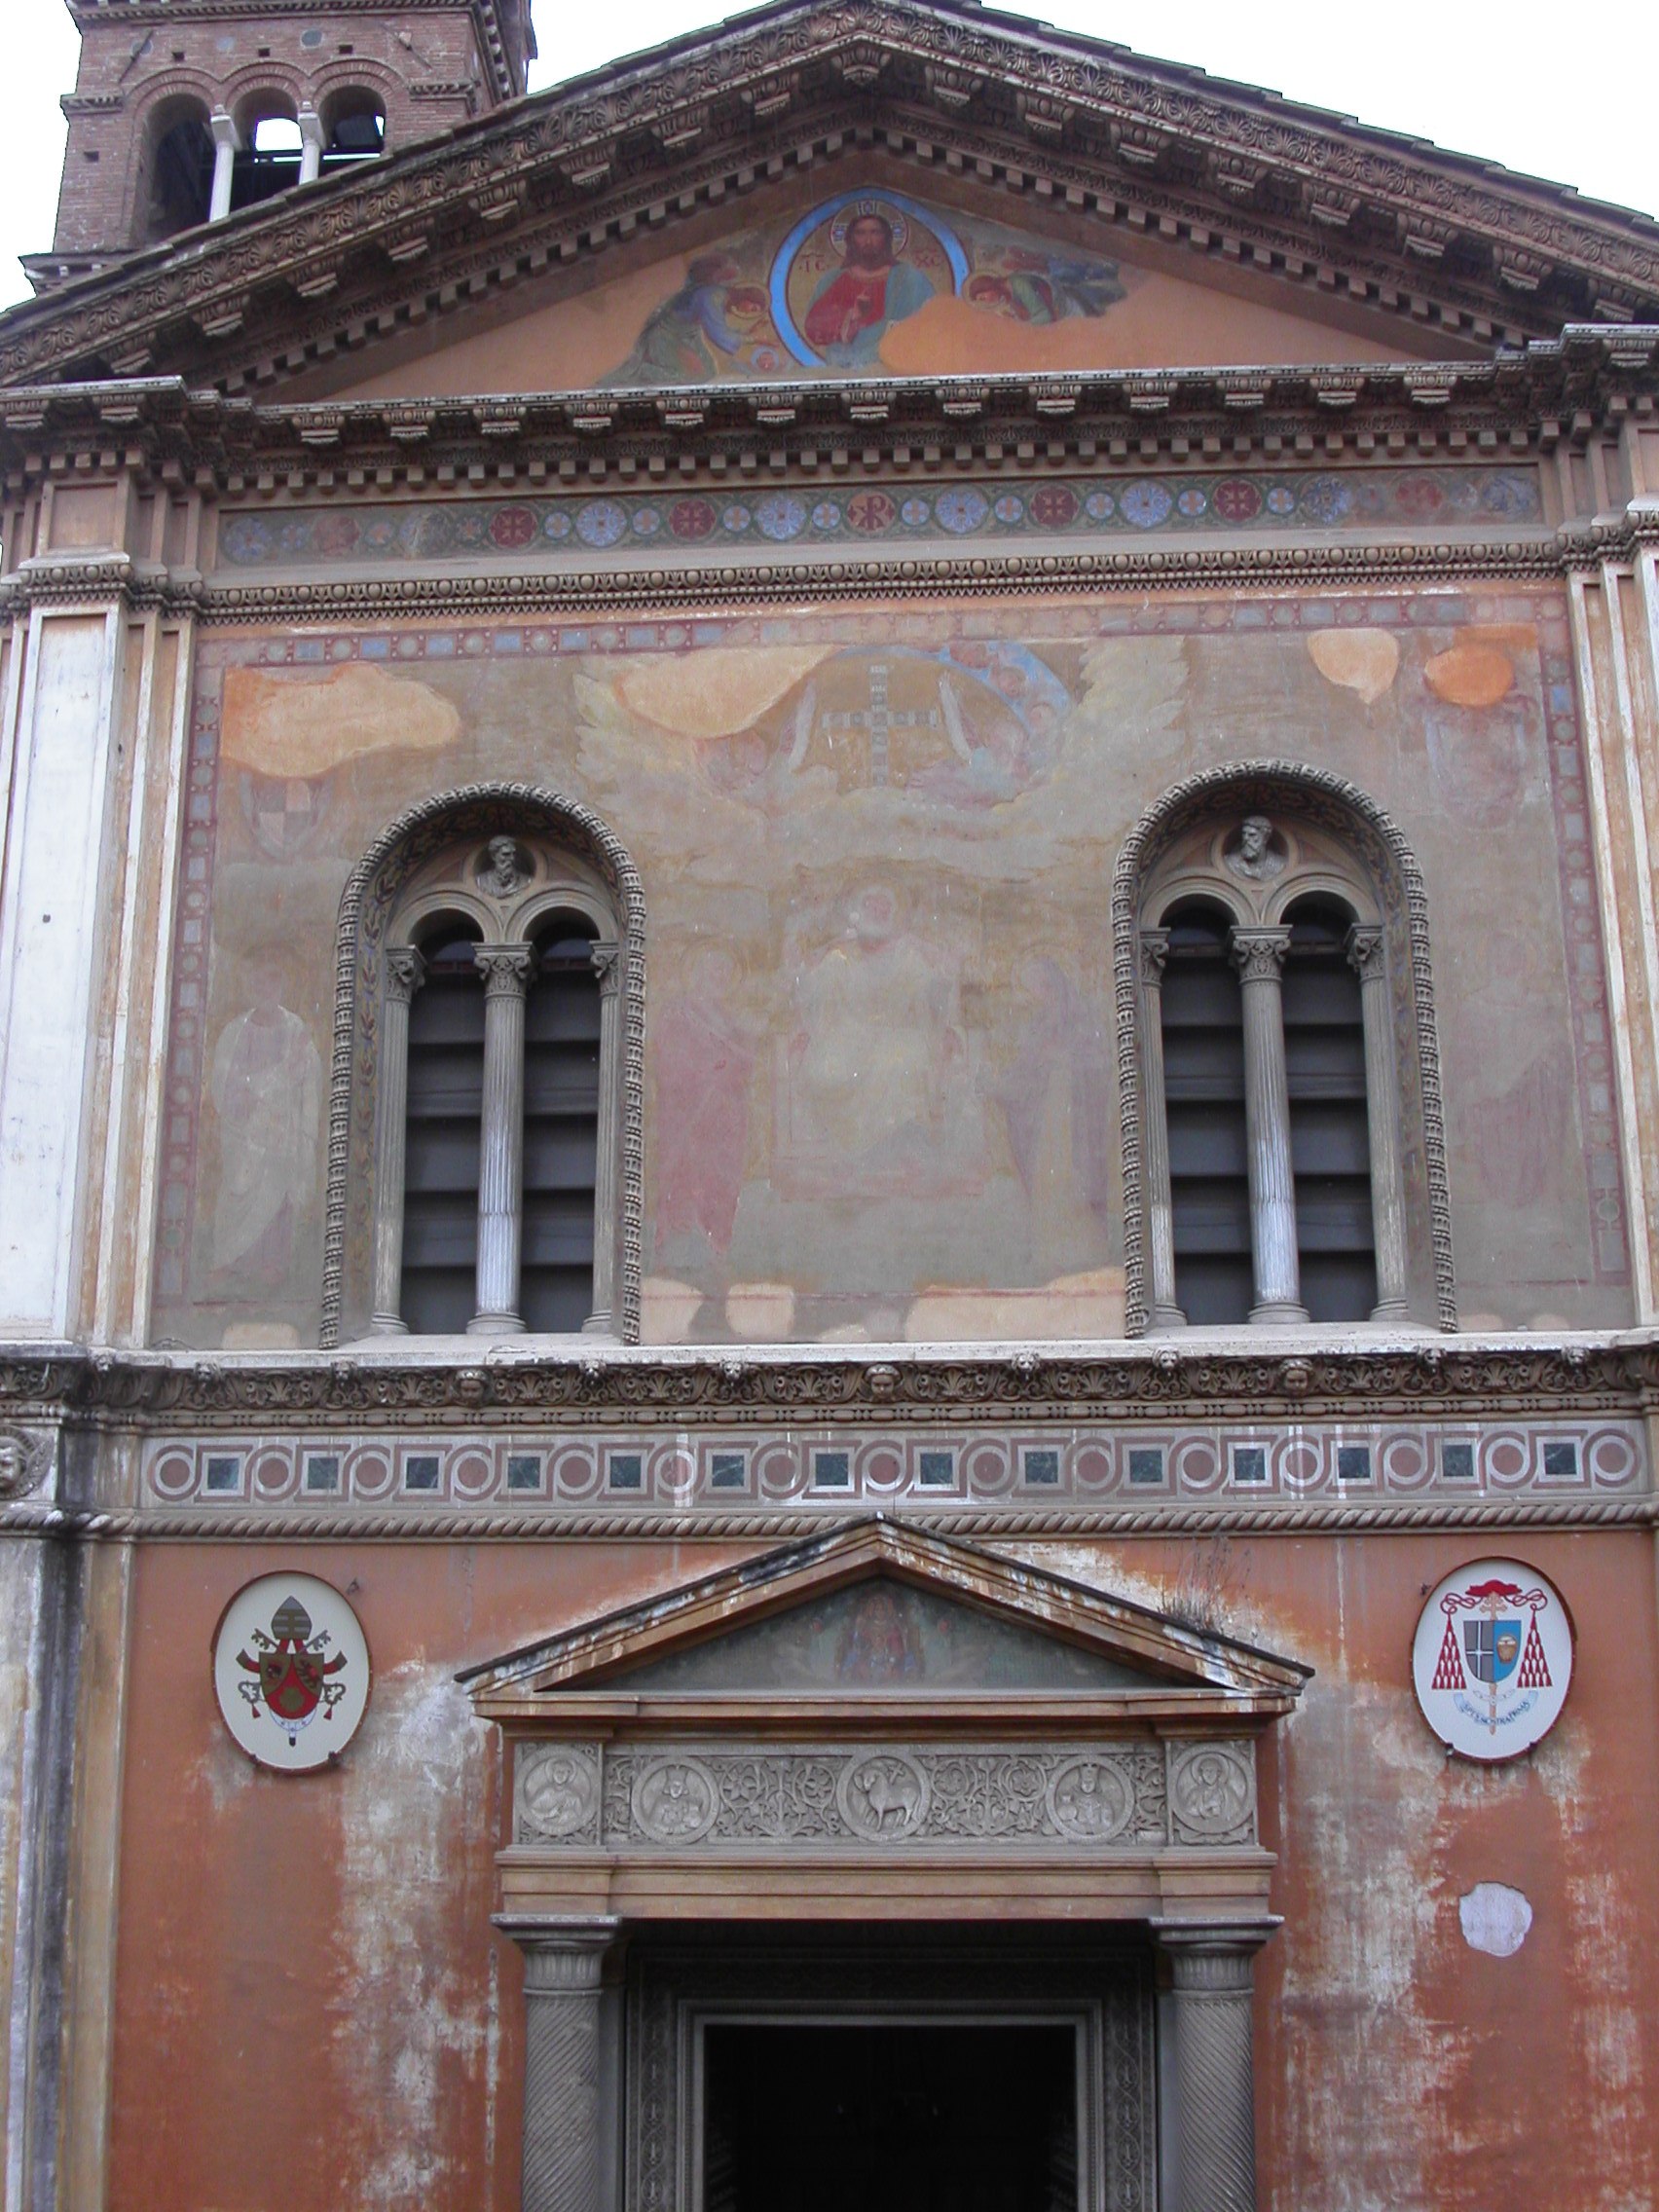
(890, 2117)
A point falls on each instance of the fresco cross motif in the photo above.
(882, 721)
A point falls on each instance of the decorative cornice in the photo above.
(1400, 1517)
(1565, 389)
(1387, 222)
(1297, 1378)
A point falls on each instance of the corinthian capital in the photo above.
(1258, 955)
(506, 969)
(1365, 950)
(405, 973)
(1154, 951)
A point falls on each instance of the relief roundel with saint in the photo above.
(855, 267)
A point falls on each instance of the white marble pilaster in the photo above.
(1369, 961)
(506, 970)
(1259, 955)
(312, 143)
(227, 144)
(607, 967)
(1166, 1311)
(56, 939)
(405, 973)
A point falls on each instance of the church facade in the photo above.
(829, 1045)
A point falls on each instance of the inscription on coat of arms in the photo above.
(1493, 1659)
(291, 1671)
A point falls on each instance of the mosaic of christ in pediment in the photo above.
(832, 293)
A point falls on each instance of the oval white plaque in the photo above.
(1493, 1659)
(291, 1669)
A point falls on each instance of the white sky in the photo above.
(1552, 91)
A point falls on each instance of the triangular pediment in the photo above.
(1295, 209)
(874, 1608)
(876, 274)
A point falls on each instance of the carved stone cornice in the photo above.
(1227, 171)
(1294, 1376)
(1569, 388)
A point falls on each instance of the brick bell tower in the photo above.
(186, 111)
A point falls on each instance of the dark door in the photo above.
(891, 2119)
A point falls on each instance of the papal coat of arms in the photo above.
(291, 1669)
(1493, 1659)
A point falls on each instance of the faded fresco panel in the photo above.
(872, 281)
(877, 847)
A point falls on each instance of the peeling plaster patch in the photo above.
(1496, 1919)
(420, 2023)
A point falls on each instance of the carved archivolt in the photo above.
(373, 909)
(1257, 880)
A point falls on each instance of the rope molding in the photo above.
(132, 1526)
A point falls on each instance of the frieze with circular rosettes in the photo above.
(558, 1791)
(1211, 1792)
(675, 1800)
(1091, 1801)
(883, 1797)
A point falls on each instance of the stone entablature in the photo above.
(708, 1796)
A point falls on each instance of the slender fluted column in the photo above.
(227, 143)
(311, 145)
(1166, 1313)
(1214, 2119)
(1259, 956)
(1383, 1121)
(607, 967)
(405, 973)
(564, 2151)
(506, 970)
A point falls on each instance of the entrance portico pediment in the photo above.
(875, 1728)
(883, 1722)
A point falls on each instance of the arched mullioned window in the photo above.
(354, 129)
(176, 182)
(485, 1141)
(1284, 1160)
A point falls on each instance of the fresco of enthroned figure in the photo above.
(833, 292)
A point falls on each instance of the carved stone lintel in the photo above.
(564, 1965)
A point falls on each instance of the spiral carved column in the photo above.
(564, 2161)
(1212, 1965)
